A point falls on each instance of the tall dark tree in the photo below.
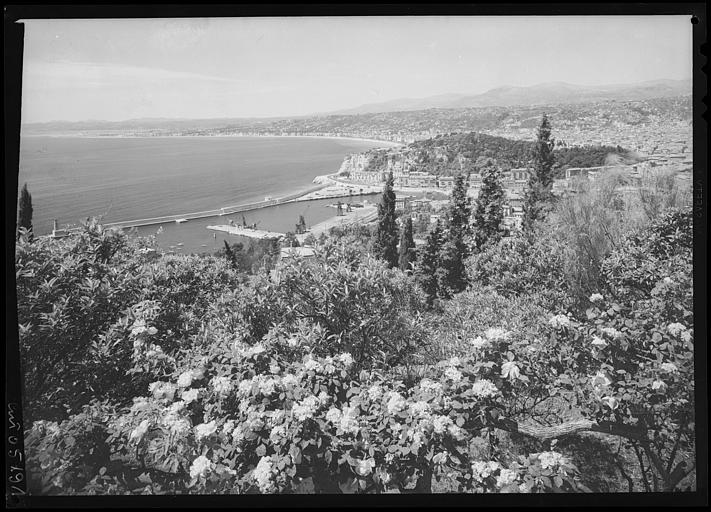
(407, 247)
(24, 217)
(489, 211)
(429, 263)
(386, 235)
(539, 192)
(455, 248)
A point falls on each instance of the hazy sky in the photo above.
(244, 67)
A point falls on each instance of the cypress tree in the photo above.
(538, 195)
(407, 247)
(24, 217)
(455, 250)
(429, 263)
(489, 211)
(386, 235)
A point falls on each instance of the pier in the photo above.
(249, 232)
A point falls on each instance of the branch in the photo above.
(573, 427)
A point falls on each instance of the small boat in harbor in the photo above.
(180, 221)
(180, 244)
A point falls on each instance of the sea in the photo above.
(127, 178)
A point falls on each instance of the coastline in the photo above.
(388, 143)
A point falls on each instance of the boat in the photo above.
(180, 244)
(180, 221)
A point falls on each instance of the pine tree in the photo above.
(455, 250)
(386, 235)
(24, 217)
(489, 211)
(429, 263)
(539, 195)
(407, 247)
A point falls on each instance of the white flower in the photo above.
(417, 440)
(669, 367)
(595, 297)
(559, 321)
(480, 343)
(277, 434)
(523, 489)
(551, 460)
(289, 381)
(484, 389)
(511, 370)
(205, 430)
(346, 359)
(333, 415)
(420, 409)
(176, 423)
(140, 430)
(497, 334)
(364, 467)
(198, 373)
(482, 470)
(375, 392)
(254, 350)
(228, 427)
(267, 385)
(430, 387)
(598, 341)
(292, 342)
(349, 420)
(221, 385)
(611, 332)
(161, 389)
(675, 328)
(453, 374)
(457, 433)
(384, 476)
(190, 395)
(506, 477)
(611, 402)
(200, 467)
(245, 387)
(440, 423)
(396, 403)
(139, 404)
(312, 365)
(306, 408)
(668, 280)
(263, 475)
(138, 327)
(659, 384)
(455, 361)
(274, 368)
(686, 336)
(601, 380)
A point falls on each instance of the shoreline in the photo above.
(333, 137)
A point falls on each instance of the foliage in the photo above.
(538, 195)
(451, 271)
(406, 248)
(386, 235)
(489, 211)
(24, 216)
(428, 264)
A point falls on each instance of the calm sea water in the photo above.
(134, 178)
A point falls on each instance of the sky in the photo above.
(261, 67)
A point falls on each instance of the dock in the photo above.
(356, 216)
(251, 233)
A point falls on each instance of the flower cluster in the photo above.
(675, 328)
(222, 385)
(497, 334)
(598, 342)
(162, 389)
(559, 321)
(510, 370)
(306, 408)
(611, 332)
(205, 430)
(200, 467)
(431, 387)
(596, 297)
(668, 367)
(480, 343)
(453, 374)
(396, 403)
(482, 470)
(484, 388)
(364, 467)
(551, 460)
(263, 475)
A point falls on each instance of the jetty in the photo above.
(249, 232)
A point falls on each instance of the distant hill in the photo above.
(541, 94)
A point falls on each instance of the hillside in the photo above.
(449, 154)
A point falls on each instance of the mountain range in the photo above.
(540, 94)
